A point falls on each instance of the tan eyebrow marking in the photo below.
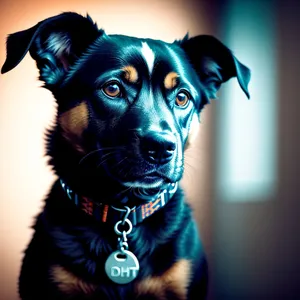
(131, 74)
(171, 80)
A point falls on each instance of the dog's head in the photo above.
(127, 107)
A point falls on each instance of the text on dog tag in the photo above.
(122, 267)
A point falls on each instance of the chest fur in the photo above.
(172, 283)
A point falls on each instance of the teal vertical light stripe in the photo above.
(247, 129)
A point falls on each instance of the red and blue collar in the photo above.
(108, 213)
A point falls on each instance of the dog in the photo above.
(115, 224)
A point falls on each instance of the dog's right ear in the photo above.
(54, 43)
(214, 63)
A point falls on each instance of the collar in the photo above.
(109, 213)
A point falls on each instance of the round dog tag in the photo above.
(122, 267)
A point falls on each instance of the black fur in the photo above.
(133, 140)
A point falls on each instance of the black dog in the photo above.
(115, 224)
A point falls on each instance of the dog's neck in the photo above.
(106, 213)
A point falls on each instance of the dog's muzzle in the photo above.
(158, 147)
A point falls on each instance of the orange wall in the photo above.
(26, 110)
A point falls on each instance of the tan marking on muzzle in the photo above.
(70, 284)
(171, 80)
(73, 123)
(193, 131)
(175, 280)
(131, 74)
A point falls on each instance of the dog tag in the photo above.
(122, 267)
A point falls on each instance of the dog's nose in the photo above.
(158, 147)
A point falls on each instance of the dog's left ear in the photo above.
(54, 43)
(214, 63)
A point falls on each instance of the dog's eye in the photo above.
(182, 99)
(112, 89)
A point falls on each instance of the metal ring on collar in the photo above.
(118, 232)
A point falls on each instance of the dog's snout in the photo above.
(158, 147)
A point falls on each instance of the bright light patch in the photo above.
(148, 55)
(247, 129)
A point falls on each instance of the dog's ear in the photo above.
(54, 43)
(214, 63)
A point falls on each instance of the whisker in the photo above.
(122, 167)
(126, 189)
(105, 160)
(107, 154)
(128, 171)
(188, 173)
(99, 150)
(187, 164)
(119, 162)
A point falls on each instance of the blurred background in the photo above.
(242, 174)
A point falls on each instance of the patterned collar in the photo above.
(108, 213)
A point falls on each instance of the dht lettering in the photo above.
(123, 272)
